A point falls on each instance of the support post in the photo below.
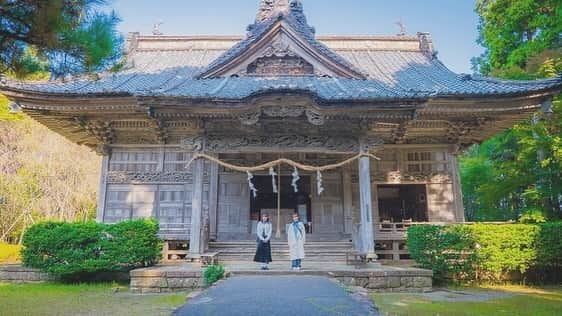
(347, 201)
(213, 200)
(367, 233)
(457, 187)
(105, 152)
(196, 209)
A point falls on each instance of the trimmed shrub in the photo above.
(81, 250)
(488, 252)
(213, 273)
(445, 250)
(504, 252)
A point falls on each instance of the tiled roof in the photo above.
(391, 75)
(398, 67)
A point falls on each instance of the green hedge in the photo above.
(80, 250)
(488, 252)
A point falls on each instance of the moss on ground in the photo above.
(510, 300)
(83, 299)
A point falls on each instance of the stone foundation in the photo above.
(163, 280)
(377, 278)
(15, 273)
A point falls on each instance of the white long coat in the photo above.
(296, 245)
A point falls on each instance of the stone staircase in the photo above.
(317, 251)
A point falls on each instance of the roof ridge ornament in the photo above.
(156, 28)
(272, 8)
(402, 26)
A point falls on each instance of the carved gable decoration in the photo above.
(279, 59)
(282, 51)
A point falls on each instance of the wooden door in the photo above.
(327, 208)
(234, 206)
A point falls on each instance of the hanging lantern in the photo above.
(296, 179)
(273, 181)
(251, 184)
(320, 188)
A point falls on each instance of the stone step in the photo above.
(320, 251)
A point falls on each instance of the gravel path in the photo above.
(277, 295)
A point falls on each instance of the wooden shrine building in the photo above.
(280, 91)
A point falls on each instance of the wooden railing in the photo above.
(175, 231)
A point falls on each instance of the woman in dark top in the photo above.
(263, 253)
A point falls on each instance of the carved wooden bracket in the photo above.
(313, 116)
(100, 130)
(400, 133)
(103, 150)
(461, 132)
(275, 143)
(161, 129)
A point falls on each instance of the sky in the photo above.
(452, 23)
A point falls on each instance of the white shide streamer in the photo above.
(296, 179)
(273, 181)
(251, 184)
(319, 182)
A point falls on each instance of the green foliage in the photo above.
(76, 36)
(521, 168)
(514, 31)
(550, 240)
(532, 216)
(213, 273)
(442, 249)
(486, 252)
(73, 250)
(503, 249)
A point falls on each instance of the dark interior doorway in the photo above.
(266, 199)
(398, 203)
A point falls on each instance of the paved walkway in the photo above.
(277, 295)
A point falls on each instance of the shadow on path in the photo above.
(277, 295)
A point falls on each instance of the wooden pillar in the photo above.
(213, 200)
(457, 188)
(100, 214)
(367, 233)
(196, 209)
(347, 201)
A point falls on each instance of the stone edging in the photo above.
(150, 281)
(15, 273)
(160, 281)
(387, 281)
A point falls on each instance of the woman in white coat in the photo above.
(296, 236)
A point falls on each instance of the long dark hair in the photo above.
(266, 215)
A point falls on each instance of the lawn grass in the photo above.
(9, 253)
(518, 300)
(83, 299)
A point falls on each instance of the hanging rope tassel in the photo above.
(319, 182)
(251, 185)
(296, 179)
(273, 182)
